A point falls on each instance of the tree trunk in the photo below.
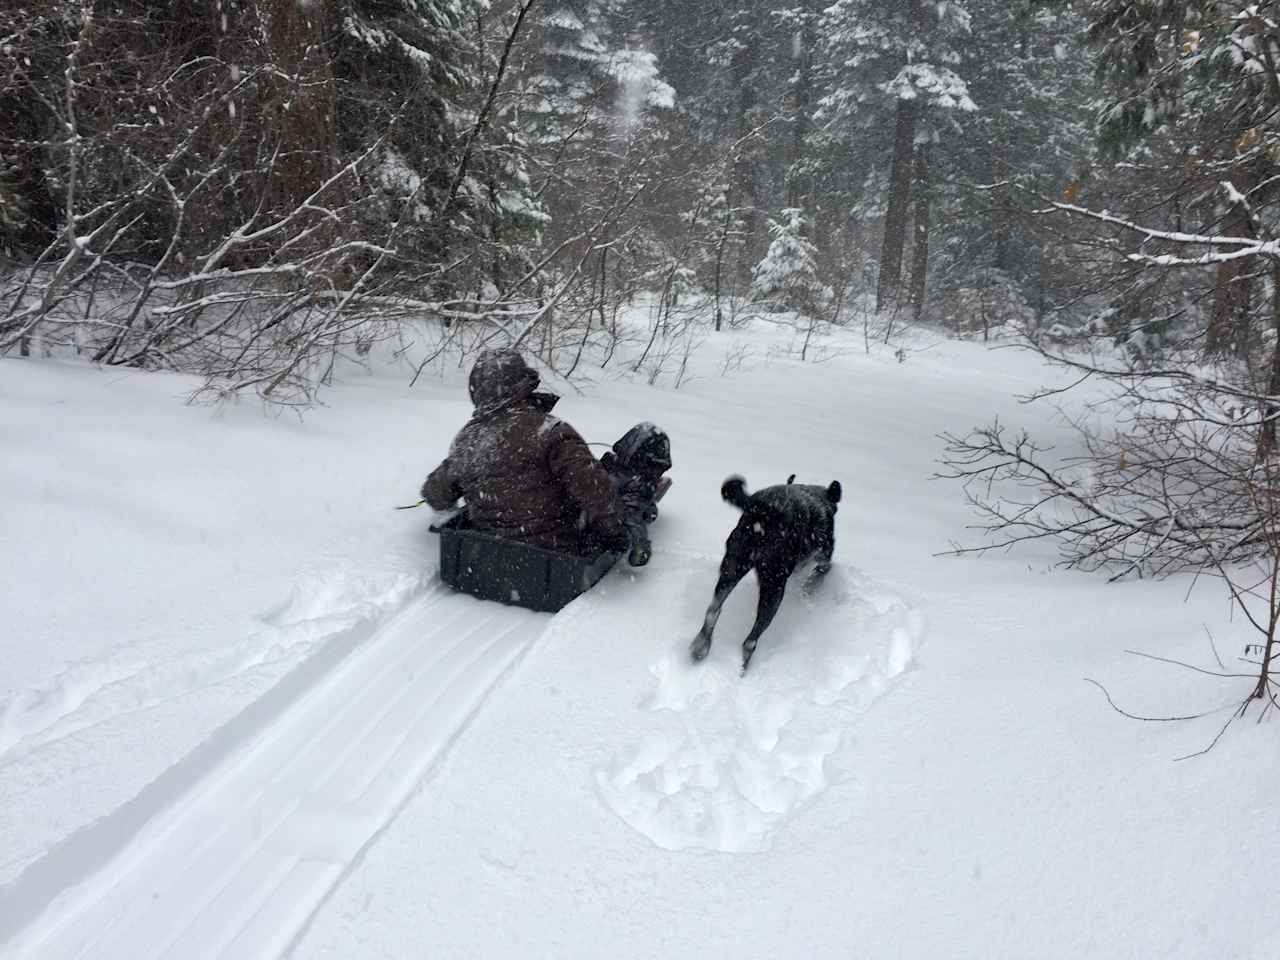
(798, 182)
(895, 221)
(920, 243)
(1229, 321)
(724, 238)
(304, 100)
(24, 130)
(1271, 410)
(742, 66)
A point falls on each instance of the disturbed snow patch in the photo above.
(87, 693)
(734, 758)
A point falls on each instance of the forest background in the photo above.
(262, 192)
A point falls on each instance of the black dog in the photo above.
(780, 528)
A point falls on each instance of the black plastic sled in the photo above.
(493, 568)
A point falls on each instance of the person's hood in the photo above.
(499, 378)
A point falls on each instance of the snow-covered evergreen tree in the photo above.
(787, 277)
(568, 84)
(1193, 96)
(590, 106)
(1026, 66)
(416, 72)
(587, 81)
(889, 74)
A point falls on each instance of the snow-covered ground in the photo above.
(239, 717)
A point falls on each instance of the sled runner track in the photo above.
(236, 867)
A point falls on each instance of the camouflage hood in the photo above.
(524, 474)
(499, 378)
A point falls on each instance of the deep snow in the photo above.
(237, 717)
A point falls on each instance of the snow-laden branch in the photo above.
(1168, 236)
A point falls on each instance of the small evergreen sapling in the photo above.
(787, 277)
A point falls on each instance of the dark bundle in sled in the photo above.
(637, 463)
(644, 451)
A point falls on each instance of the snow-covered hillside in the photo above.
(239, 716)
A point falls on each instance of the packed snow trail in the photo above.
(236, 867)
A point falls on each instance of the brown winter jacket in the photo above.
(524, 474)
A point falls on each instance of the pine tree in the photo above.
(1025, 64)
(416, 72)
(1204, 74)
(743, 96)
(34, 37)
(788, 275)
(889, 73)
(590, 96)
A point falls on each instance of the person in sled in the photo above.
(529, 476)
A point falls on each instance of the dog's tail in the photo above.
(734, 491)
(834, 491)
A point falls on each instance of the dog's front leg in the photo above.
(732, 569)
(821, 567)
(773, 584)
(826, 547)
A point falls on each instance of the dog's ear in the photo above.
(734, 490)
(791, 479)
(834, 491)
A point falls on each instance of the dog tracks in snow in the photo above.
(729, 760)
(233, 850)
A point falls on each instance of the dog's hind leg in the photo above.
(773, 585)
(733, 568)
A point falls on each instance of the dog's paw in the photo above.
(700, 647)
(814, 579)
